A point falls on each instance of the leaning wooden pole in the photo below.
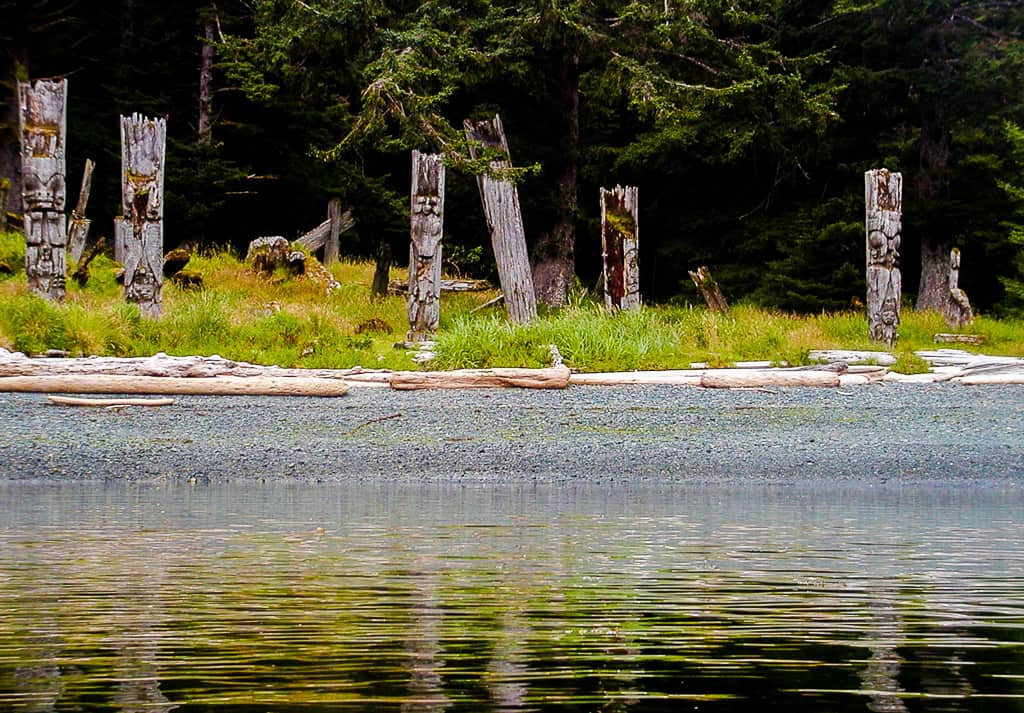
(619, 234)
(140, 231)
(504, 219)
(5, 188)
(43, 123)
(883, 200)
(78, 232)
(426, 227)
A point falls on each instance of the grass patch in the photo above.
(296, 323)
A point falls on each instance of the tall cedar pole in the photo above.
(426, 227)
(331, 247)
(43, 130)
(619, 234)
(78, 231)
(883, 201)
(505, 221)
(140, 230)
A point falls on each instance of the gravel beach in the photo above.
(883, 433)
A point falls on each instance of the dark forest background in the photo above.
(747, 127)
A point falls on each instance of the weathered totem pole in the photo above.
(43, 115)
(883, 198)
(958, 311)
(619, 233)
(426, 226)
(504, 219)
(139, 242)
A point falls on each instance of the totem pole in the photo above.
(139, 242)
(426, 227)
(43, 115)
(619, 233)
(883, 197)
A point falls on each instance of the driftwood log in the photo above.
(78, 232)
(43, 123)
(215, 386)
(329, 230)
(763, 378)
(619, 245)
(709, 289)
(504, 220)
(959, 338)
(426, 226)
(107, 403)
(556, 377)
(883, 205)
(139, 241)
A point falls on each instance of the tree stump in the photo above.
(426, 227)
(883, 199)
(43, 127)
(504, 219)
(709, 289)
(140, 232)
(381, 270)
(619, 235)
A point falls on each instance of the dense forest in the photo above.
(746, 125)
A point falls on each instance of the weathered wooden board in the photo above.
(140, 230)
(426, 227)
(556, 377)
(215, 386)
(619, 247)
(883, 205)
(43, 129)
(504, 220)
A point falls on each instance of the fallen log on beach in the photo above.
(556, 377)
(763, 378)
(213, 386)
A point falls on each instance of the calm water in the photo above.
(437, 598)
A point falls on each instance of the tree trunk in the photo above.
(380, 286)
(334, 222)
(619, 234)
(883, 205)
(709, 290)
(505, 221)
(43, 123)
(205, 85)
(140, 229)
(426, 227)
(933, 292)
(554, 252)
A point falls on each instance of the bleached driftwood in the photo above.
(43, 130)
(959, 338)
(214, 386)
(760, 378)
(883, 205)
(556, 377)
(401, 287)
(504, 220)
(851, 357)
(139, 241)
(426, 226)
(619, 247)
(107, 403)
(668, 377)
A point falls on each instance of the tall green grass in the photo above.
(295, 322)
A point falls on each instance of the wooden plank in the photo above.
(504, 220)
(883, 205)
(217, 386)
(426, 227)
(619, 245)
(556, 377)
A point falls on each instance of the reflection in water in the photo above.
(440, 598)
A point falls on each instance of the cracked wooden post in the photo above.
(709, 289)
(619, 234)
(958, 310)
(334, 219)
(883, 199)
(78, 232)
(140, 231)
(504, 219)
(426, 226)
(43, 130)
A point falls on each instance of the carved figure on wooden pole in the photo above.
(426, 227)
(139, 231)
(883, 193)
(43, 118)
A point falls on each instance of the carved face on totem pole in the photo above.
(42, 144)
(427, 225)
(884, 239)
(143, 143)
(143, 289)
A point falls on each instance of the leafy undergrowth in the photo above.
(296, 322)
